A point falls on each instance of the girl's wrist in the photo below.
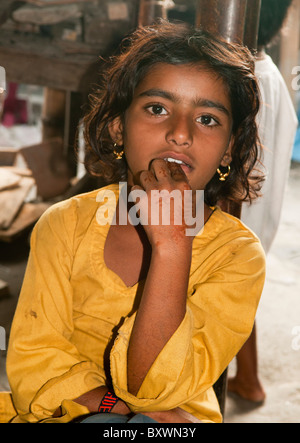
(173, 249)
(93, 399)
(110, 403)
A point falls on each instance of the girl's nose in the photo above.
(180, 132)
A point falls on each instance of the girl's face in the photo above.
(181, 113)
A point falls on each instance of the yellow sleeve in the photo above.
(44, 368)
(219, 318)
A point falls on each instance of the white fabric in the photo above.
(277, 123)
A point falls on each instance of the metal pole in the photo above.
(151, 10)
(236, 21)
(223, 17)
(252, 24)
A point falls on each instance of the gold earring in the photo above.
(118, 155)
(222, 175)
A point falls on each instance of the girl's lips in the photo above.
(177, 162)
(186, 168)
(183, 160)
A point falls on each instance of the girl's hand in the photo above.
(162, 209)
(163, 303)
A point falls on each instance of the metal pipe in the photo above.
(223, 17)
(252, 24)
(236, 21)
(151, 10)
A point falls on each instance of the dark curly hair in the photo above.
(178, 44)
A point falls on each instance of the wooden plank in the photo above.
(41, 69)
(53, 59)
(49, 15)
(27, 217)
(22, 172)
(11, 201)
(34, 59)
(56, 2)
(8, 179)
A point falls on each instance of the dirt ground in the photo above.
(278, 319)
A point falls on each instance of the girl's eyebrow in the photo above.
(198, 103)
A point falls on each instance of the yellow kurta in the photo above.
(74, 313)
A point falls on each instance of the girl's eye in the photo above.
(207, 120)
(157, 110)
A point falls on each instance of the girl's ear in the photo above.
(227, 158)
(115, 129)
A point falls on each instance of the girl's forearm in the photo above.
(162, 309)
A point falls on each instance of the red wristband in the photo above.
(108, 402)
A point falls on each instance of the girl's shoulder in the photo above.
(80, 206)
(224, 232)
(73, 217)
(227, 247)
(221, 224)
(231, 224)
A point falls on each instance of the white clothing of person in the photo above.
(277, 123)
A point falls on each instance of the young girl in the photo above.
(141, 320)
